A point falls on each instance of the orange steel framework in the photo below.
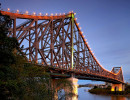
(57, 41)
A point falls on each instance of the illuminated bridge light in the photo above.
(75, 19)
(17, 11)
(26, 12)
(56, 14)
(74, 13)
(51, 14)
(34, 13)
(78, 23)
(80, 28)
(40, 14)
(8, 9)
(46, 14)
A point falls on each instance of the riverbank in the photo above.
(83, 94)
(107, 91)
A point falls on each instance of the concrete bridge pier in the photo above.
(117, 87)
(75, 88)
(54, 88)
(58, 84)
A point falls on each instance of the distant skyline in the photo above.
(105, 23)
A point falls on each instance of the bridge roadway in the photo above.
(56, 72)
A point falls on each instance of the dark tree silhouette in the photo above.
(7, 44)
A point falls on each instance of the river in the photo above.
(84, 95)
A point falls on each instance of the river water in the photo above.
(84, 95)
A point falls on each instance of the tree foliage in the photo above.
(7, 44)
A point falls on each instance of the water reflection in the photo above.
(118, 98)
(84, 95)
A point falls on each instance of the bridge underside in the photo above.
(63, 73)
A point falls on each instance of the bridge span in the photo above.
(58, 42)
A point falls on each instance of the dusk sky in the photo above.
(105, 23)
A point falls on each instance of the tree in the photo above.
(7, 44)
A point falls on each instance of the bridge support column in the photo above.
(55, 88)
(117, 87)
(58, 84)
(75, 89)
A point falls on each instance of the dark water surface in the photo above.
(84, 95)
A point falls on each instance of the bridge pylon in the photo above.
(119, 75)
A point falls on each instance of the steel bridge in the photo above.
(57, 41)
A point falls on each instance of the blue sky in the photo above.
(105, 23)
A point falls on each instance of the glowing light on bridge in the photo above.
(51, 14)
(17, 11)
(8, 9)
(75, 19)
(40, 14)
(34, 13)
(26, 12)
(112, 89)
(56, 14)
(46, 14)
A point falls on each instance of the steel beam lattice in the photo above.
(58, 41)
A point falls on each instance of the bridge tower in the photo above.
(119, 86)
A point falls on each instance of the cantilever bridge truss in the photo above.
(57, 41)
